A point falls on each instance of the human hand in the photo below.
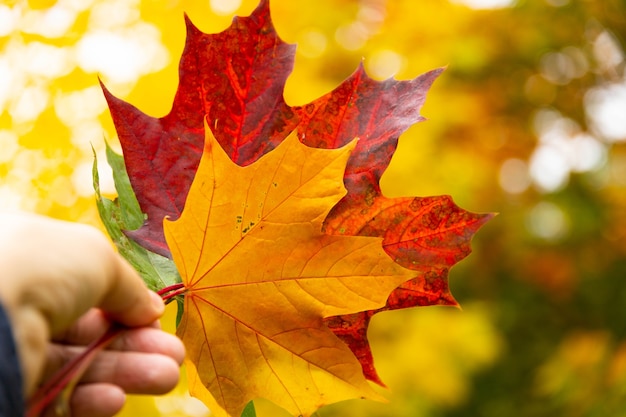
(62, 285)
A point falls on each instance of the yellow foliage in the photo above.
(51, 115)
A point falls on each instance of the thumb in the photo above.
(126, 299)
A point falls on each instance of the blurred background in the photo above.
(528, 120)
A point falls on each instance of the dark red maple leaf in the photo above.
(428, 235)
(235, 79)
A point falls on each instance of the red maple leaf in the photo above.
(235, 79)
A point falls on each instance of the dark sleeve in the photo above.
(11, 396)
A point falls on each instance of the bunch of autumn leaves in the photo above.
(270, 220)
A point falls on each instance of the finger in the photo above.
(150, 340)
(117, 288)
(127, 300)
(94, 400)
(82, 271)
(88, 328)
(135, 373)
(140, 340)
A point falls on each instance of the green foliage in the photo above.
(249, 410)
(124, 213)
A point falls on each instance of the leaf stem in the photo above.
(70, 372)
(168, 297)
(170, 288)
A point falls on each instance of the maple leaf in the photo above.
(261, 275)
(236, 79)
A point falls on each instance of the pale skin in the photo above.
(62, 285)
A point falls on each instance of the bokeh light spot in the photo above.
(607, 51)
(122, 56)
(311, 43)
(62, 191)
(547, 221)
(384, 63)
(10, 199)
(8, 145)
(86, 135)
(586, 153)
(606, 109)
(29, 164)
(352, 36)
(41, 60)
(224, 7)
(548, 168)
(564, 66)
(8, 19)
(82, 180)
(6, 83)
(513, 176)
(563, 148)
(114, 14)
(50, 23)
(29, 105)
(80, 105)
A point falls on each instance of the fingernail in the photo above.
(158, 302)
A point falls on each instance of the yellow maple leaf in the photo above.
(261, 276)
